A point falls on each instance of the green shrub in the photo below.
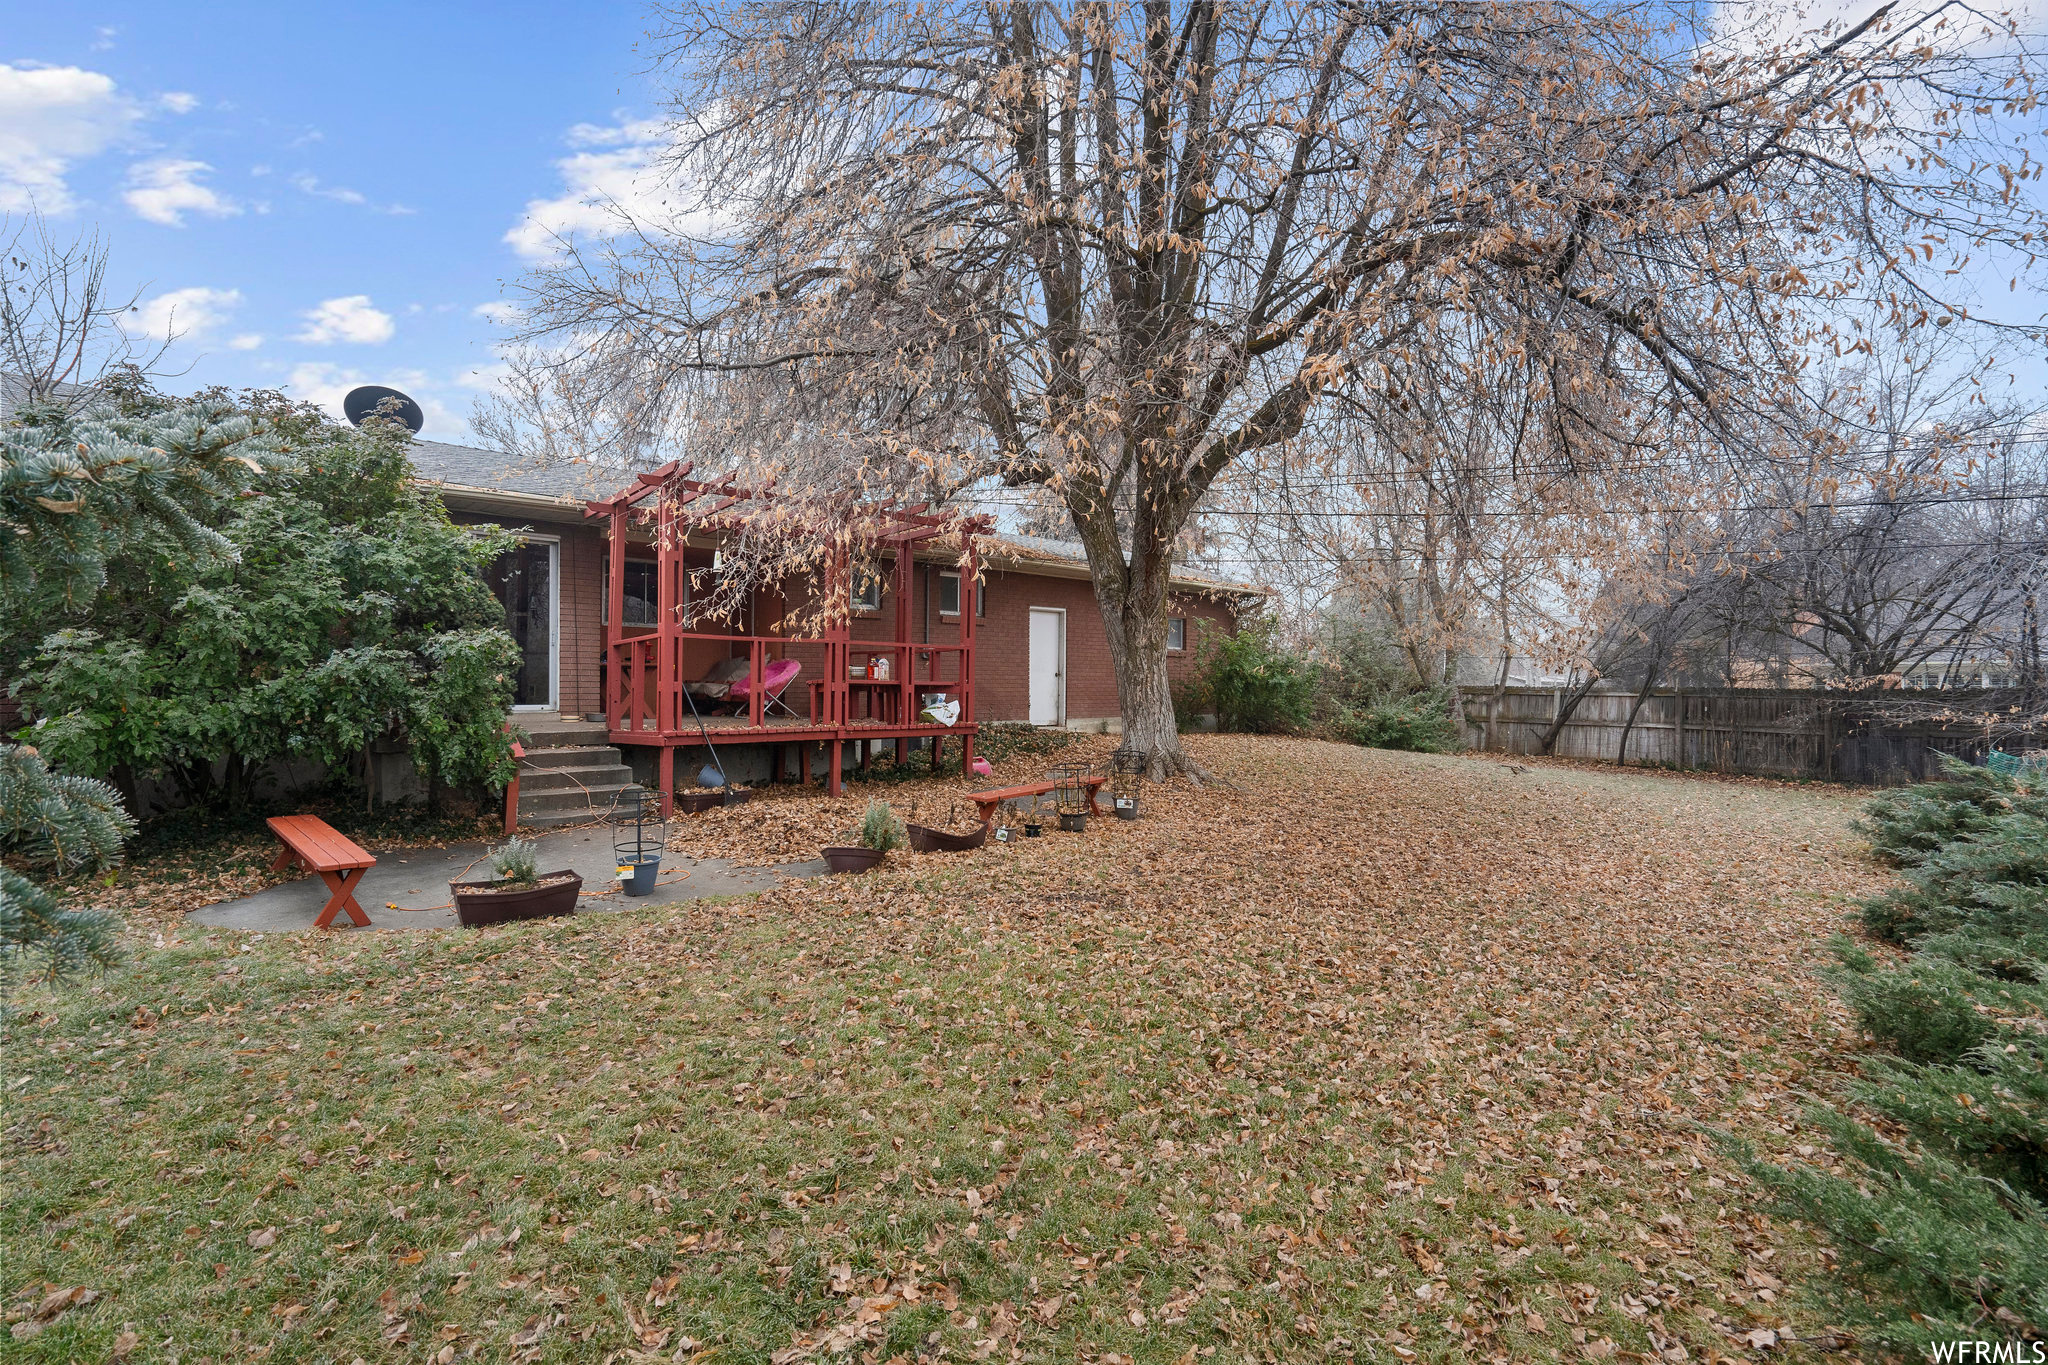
(55, 823)
(1925, 1010)
(517, 861)
(881, 829)
(344, 606)
(1943, 1221)
(1249, 682)
(1420, 722)
(1964, 882)
(1365, 667)
(1932, 1251)
(1907, 824)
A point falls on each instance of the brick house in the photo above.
(1034, 650)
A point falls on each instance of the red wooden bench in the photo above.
(340, 861)
(988, 801)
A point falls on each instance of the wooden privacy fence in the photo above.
(1841, 737)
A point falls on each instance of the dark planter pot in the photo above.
(1074, 824)
(1033, 831)
(474, 905)
(852, 859)
(1126, 807)
(640, 881)
(696, 803)
(927, 840)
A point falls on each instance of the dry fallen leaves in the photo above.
(1397, 1020)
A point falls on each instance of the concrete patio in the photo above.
(408, 888)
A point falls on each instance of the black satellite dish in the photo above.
(370, 401)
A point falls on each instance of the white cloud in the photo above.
(247, 341)
(310, 184)
(103, 37)
(165, 190)
(349, 319)
(177, 101)
(307, 183)
(186, 314)
(611, 179)
(50, 117)
(322, 383)
(500, 313)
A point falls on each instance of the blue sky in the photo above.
(321, 195)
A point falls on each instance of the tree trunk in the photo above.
(1132, 597)
(1137, 651)
(1567, 704)
(1642, 695)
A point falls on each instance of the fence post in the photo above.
(1678, 721)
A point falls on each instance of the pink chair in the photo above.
(777, 677)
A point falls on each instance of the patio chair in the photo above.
(775, 680)
(716, 686)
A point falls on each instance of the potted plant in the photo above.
(520, 891)
(879, 832)
(697, 802)
(935, 839)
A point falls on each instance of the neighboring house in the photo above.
(1032, 650)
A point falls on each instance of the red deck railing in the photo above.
(859, 684)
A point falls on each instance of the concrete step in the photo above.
(596, 775)
(551, 819)
(591, 803)
(556, 734)
(571, 756)
(570, 776)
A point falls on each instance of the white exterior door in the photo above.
(1048, 666)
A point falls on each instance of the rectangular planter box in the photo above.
(476, 906)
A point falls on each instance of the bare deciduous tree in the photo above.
(60, 332)
(1112, 249)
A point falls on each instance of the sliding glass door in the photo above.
(525, 580)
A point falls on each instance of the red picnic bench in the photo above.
(988, 801)
(340, 861)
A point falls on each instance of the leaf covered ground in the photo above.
(1364, 1056)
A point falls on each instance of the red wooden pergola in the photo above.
(847, 688)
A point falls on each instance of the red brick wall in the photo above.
(1002, 656)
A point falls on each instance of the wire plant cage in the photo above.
(1070, 795)
(638, 838)
(1126, 782)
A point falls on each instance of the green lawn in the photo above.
(1372, 1056)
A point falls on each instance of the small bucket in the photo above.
(637, 879)
(1074, 824)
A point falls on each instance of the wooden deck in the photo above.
(847, 688)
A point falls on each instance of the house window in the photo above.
(949, 594)
(642, 596)
(1176, 632)
(867, 590)
(643, 602)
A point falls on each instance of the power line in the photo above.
(2040, 495)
